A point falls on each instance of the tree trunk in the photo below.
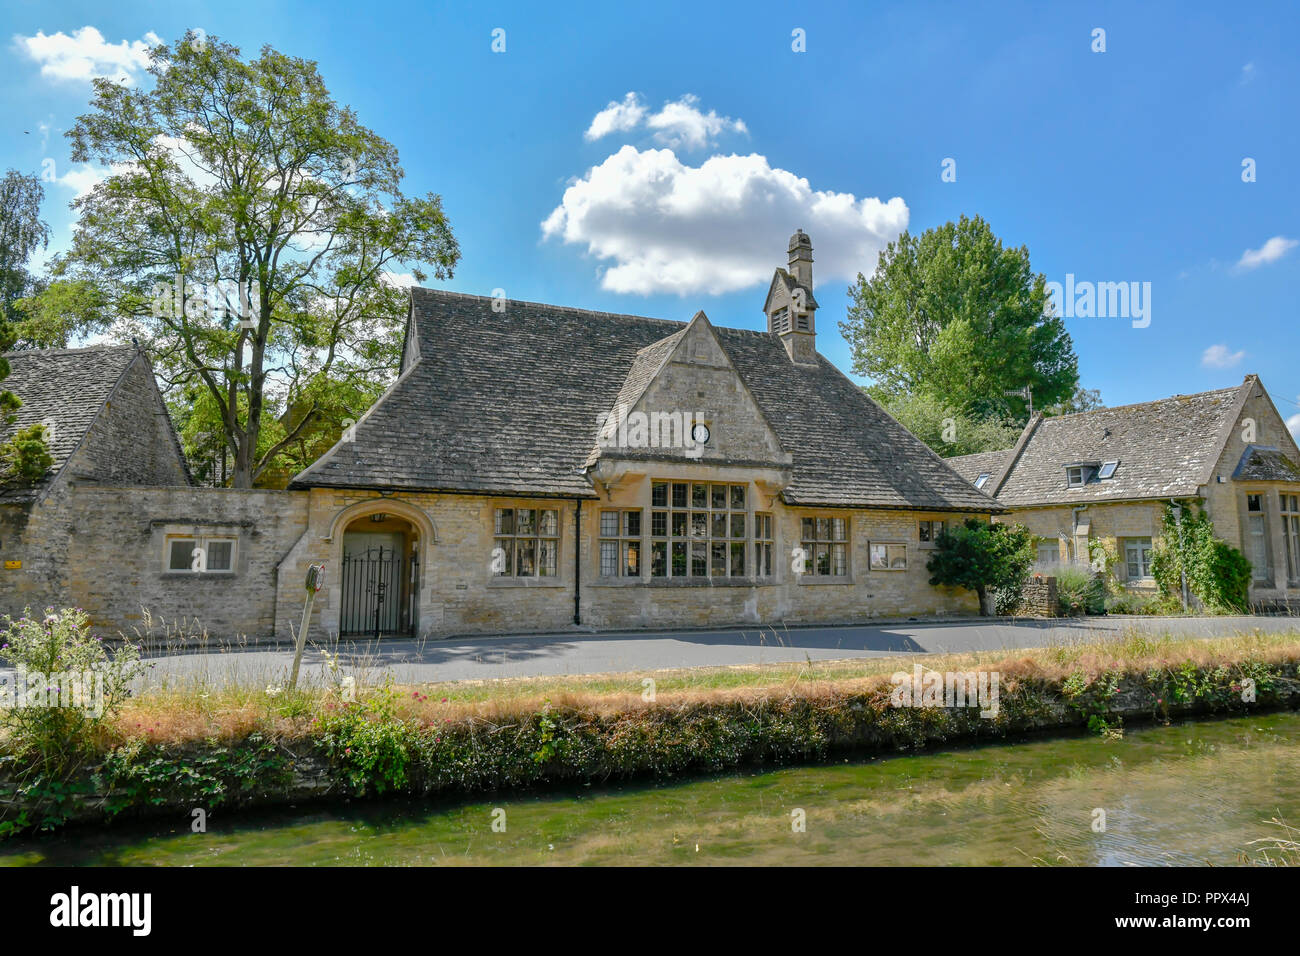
(982, 592)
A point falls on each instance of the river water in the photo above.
(1191, 793)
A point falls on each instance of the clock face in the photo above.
(700, 434)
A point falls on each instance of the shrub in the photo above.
(67, 686)
(980, 557)
(25, 458)
(1080, 590)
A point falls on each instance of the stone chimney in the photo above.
(801, 258)
(790, 306)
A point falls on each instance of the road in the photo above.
(487, 658)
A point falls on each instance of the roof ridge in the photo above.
(1152, 401)
(98, 347)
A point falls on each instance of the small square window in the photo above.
(982, 479)
(738, 497)
(181, 554)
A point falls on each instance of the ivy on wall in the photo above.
(1217, 573)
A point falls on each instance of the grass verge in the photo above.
(192, 744)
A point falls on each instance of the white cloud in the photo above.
(1293, 423)
(714, 228)
(82, 180)
(86, 55)
(616, 117)
(399, 280)
(680, 123)
(1218, 356)
(1247, 73)
(1271, 251)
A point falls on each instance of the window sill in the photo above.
(197, 575)
(819, 579)
(890, 570)
(684, 583)
(525, 583)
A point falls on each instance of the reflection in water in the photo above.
(1193, 793)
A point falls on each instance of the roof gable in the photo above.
(1165, 448)
(65, 390)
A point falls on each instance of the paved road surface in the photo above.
(486, 658)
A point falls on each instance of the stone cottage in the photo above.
(1107, 475)
(538, 468)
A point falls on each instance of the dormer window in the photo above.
(1079, 473)
(1107, 470)
(982, 479)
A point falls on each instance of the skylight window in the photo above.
(984, 476)
(1107, 469)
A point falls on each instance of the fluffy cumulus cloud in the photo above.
(658, 224)
(86, 54)
(680, 124)
(1293, 423)
(1271, 251)
(1220, 356)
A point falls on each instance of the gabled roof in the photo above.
(1265, 463)
(790, 283)
(65, 388)
(971, 467)
(507, 403)
(1165, 448)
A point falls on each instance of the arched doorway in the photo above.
(380, 577)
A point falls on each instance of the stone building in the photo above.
(538, 468)
(107, 428)
(1107, 475)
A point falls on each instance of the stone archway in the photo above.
(379, 548)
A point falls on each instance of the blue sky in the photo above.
(1115, 166)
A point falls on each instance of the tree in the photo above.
(980, 557)
(247, 236)
(22, 232)
(949, 431)
(955, 315)
(25, 456)
(1083, 400)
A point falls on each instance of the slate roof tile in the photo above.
(507, 403)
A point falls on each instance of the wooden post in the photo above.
(315, 581)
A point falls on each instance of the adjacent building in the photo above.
(1105, 477)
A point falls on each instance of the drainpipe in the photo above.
(577, 563)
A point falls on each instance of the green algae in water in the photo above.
(1189, 794)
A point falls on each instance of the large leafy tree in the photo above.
(248, 235)
(956, 315)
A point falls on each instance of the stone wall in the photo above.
(1039, 597)
(458, 592)
(104, 549)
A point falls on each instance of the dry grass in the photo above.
(195, 708)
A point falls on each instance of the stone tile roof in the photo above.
(1165, 448)
(65, 388)
(1266, 463)
(971, 467)
(507, 403)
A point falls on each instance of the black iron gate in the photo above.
(373, 593)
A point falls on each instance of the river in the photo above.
(1191, 793)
